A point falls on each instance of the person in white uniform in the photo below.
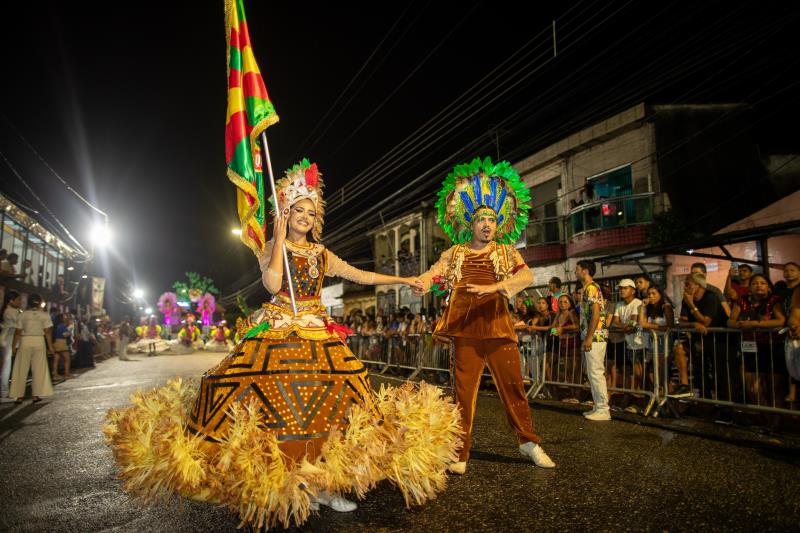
(11, 313)
(33, 340)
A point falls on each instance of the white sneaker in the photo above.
(457, 468)
(536, 454)
(334, 501)
(597, 416)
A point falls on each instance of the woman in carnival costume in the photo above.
(288, 421)
(149, 339)
(188, 338)
(220, 338)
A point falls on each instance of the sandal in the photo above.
(18, 401)
(36, 399)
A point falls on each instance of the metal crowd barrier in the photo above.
(564, 367)
(725, 367)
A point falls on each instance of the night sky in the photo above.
(126, 101)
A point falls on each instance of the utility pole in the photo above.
(555, 50)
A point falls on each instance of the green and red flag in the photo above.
(250, 112)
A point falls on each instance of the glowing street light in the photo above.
(138, 294)
(236, 231)
(100, 235)
(148, 310)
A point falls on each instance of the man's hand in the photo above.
(417, 286)
(587, 344)
(688, 297)
(700, 328)
(481, 290)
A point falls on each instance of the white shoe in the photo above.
(597, 416)
(536, 454)
(334, 501)
(457, 468)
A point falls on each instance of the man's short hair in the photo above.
(701, 266)
(745, 265)
(587, 264)
(13, 256)
(644, 277)
(556, 281)
(698, 279)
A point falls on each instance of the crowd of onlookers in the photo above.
(747, 367)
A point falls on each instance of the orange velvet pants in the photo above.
(502, 357)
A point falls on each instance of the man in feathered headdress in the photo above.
(483, 209)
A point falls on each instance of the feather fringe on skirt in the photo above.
(412, 445)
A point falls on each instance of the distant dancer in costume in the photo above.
(483, 208)
(149, 339)
(289, 421)
(220, 338)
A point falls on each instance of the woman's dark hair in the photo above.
(656, 310)
(10, 295)
(34, 300)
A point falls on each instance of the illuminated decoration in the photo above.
(194, 288)
(206, 305)
(481, 186)
(168, 306)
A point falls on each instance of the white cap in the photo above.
(627, 282)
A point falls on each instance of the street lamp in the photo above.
(138, 294)
(101, 236)
(236, 231)
(148, 310)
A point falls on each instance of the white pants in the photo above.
(594, 362)
(31, 355)
(5, 374)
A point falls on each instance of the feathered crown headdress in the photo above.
(482, 184)
(301, 181)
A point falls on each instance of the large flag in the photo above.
(250, 112)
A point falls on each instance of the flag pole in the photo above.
(286, 271)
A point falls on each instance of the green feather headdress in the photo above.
(482, 183)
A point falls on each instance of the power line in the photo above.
(324, 118)
(51, 169)
(36, 196)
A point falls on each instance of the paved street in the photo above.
(59, 476)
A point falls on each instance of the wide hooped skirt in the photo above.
(278, 420)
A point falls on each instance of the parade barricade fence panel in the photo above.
(633, 372)
(747, 369)
(370, 349)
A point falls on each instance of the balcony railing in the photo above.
(545, 231)
(609, 213)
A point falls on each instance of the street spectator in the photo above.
(84, 358)
(540, 324)
(126, 333)
(700, 268)
(8, 269)
(27, 272)
(737, 283)
(369, 329)
(615, 348)
(643, 284)
(565, 330)
(594, 336)
(11, 312)
(700, 310)
(764, 370)
(33, 340)
(789, 291)
(62, 340)
(626, 318)
(556, 290)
